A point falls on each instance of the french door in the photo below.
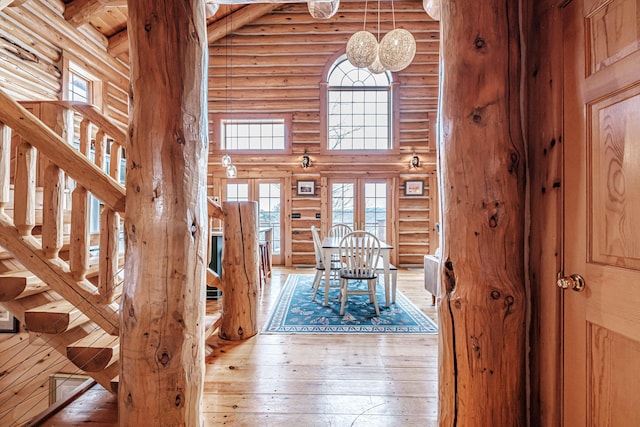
(361, 203)
(268, 194)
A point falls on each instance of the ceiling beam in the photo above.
(80, 12)
(11, 3)
(238, 19)
(119, 42)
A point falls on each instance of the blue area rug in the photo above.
(295, 313)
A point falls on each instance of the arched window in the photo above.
(359, 108)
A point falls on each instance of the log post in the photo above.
(163, 300)
(240, 271)
(482, 181)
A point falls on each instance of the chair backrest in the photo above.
(339, 230)
(317, 247)
(359, 252)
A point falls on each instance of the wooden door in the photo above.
(602, 213)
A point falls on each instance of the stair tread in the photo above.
(19, 284)
(54, 317)
(94, 352)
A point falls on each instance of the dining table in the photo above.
(331, 246)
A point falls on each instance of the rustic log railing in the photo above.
(43, 159)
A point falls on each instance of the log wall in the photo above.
(35, 42)
(276, 63)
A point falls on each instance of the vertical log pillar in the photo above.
(163, 301)
(482, 173)
(240, 271)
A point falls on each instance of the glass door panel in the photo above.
(362, 204)
(268, 194)
(375, 209)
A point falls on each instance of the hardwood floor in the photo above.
(309, 380)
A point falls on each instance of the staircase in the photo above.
(62, 281)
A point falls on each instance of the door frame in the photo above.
(392, 208)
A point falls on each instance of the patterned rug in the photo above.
(295, 313)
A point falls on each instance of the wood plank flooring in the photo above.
(309, 380)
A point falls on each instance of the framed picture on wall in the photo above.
(8, 323)
(306, 188)
(414, 188)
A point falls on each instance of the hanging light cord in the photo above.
(364, 24)
(393, 15)
(378, 21)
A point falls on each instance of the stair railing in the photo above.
(45, 155)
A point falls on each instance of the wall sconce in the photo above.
(415, 161)
(306, 160)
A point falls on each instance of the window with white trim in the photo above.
(253, 134)
(359, 108)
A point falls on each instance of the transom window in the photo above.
(358, 108)
(253, 134)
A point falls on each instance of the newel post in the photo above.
(482, 180)
(240, 271)
(166, 225)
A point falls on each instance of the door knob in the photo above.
(575, 282)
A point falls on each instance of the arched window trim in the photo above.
(394, 112)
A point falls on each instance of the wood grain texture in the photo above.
(240, 271)
(545, 135)
(483, 300)
(166, 223)
(314, 380)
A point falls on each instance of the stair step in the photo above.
(20, 284)
(54, 317)
(94, 352)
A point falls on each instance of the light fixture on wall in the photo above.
(394, 52)
(415, 161)
(306, 160)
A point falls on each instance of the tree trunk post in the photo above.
(482, 181)
(240, 271)
(163, 302)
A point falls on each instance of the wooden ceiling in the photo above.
(109, 18)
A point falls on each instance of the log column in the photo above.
(162, 312)
(482, 180)
(240, 271)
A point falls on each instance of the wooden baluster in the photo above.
(110, 236)
(79, 250)
(100, 150)
(25, 189)
(52, 218)
(108, 267)
(80, 245)
(5, 166)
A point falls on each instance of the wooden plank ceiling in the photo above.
(109, 17)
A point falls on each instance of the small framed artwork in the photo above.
(306, 188)
(414, 188)
(8, 323)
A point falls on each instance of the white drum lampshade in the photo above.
(397, 49)
(361, 49)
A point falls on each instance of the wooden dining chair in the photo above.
(359, 253)
(321, 264)
(339, 230)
